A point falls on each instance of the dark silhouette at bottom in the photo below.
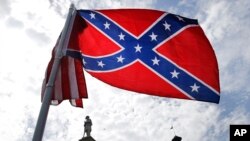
(176, 138)
(87, 139)
(87, 130)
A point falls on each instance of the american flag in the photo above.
(69, 83)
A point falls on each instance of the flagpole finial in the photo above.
(72, 6)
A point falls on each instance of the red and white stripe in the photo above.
(70, 82)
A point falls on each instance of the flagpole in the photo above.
(41, 122)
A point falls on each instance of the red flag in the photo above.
(147, 51)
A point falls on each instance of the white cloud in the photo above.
(11, 22)
(227, 26)
(4, 8)
(40, 38)
(115, 4)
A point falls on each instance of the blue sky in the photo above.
(28, 31)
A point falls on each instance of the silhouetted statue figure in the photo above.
(87, 126)
(87, 130)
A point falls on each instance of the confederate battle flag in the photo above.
(146, 51)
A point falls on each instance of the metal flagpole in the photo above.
(40, 125)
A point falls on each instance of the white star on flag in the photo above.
(92, 15)
(84, 62)
(155, 61)
(195, 88)
(106, 25)
(100, 63)
(138, 48)
(167, 26)
(180, 18)
(153, 36)
(121, 36)
(120, 59)
(175, 74)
